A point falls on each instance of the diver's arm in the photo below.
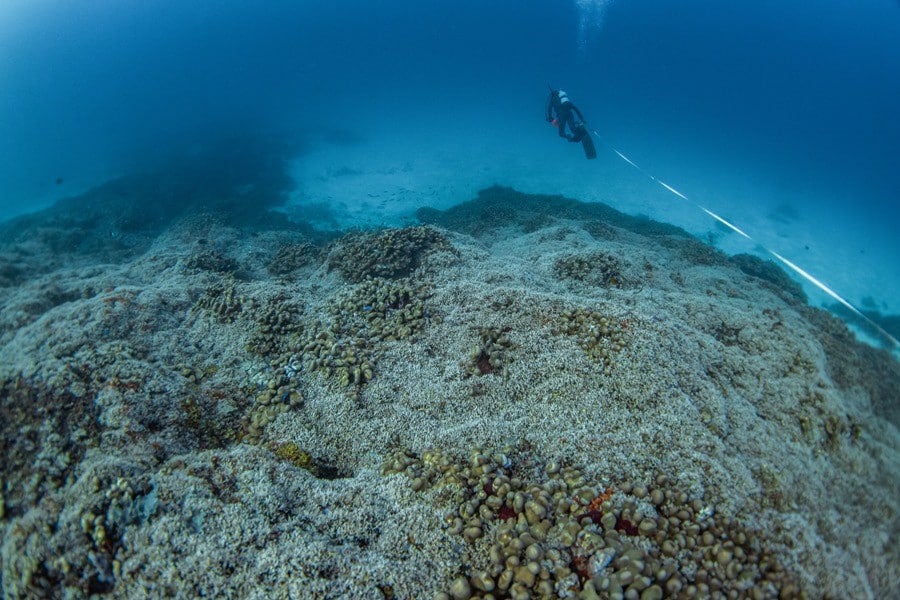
(577, 112)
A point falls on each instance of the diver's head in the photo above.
(563, 98)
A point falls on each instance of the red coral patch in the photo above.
(625, 526)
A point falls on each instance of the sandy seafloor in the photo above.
(201, 402)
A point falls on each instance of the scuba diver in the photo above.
(562, 113)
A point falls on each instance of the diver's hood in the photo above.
(562, 97)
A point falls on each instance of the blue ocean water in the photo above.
(781, 116)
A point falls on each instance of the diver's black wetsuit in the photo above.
(559, 107)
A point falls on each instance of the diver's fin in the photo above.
(587, 142)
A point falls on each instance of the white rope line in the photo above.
(794, 267)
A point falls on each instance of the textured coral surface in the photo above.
(525, 396)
